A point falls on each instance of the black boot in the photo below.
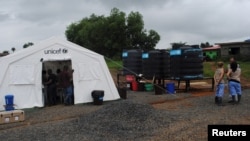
(216, 99)
(233, 99)
(220, 101)
(239, 97)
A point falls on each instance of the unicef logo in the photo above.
(65, 50)
(56, 51)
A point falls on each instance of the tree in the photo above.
(178, 45)
(204, 45)
(28, 44)
(207, 44)
(116, 33)
(13, 49)
(137, 35)
(6, 52)
(110, 35)
(135, 26)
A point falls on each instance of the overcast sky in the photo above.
(190, 21)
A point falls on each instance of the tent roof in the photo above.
(45, 44)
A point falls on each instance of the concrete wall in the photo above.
(243, 54)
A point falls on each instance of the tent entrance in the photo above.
(55, 93)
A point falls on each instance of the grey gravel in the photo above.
(121, 120)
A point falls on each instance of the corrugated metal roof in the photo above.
(214, 47)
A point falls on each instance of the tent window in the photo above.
(89, 71)
(22, 74)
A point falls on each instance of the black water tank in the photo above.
(186, 62)
(175, 63)
(132, 61)
(151, 64)
(165, 67)
(192, 63)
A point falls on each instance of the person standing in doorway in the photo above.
(219, 82)
(66, 77)
(233, 76)
(60, 90)
(51, 87)
(58, 72)
(44, 87)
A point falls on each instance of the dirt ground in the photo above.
(194, 126)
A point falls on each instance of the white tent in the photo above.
(21, 73)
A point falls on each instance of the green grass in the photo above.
(114, 64)
(209, 68)
(245, 68)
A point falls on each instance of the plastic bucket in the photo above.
(134, 86)
(9, 100)
(149, 87)
(98, 96)
(170, 88)
(98, 101)
(9, 108)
